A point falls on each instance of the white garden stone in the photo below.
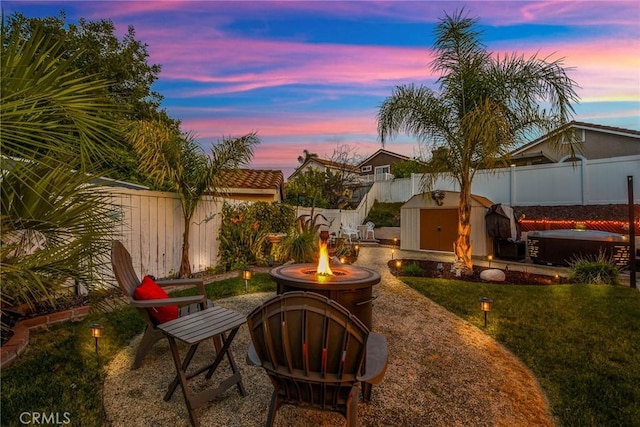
(493, 275)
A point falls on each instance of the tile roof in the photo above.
(253, 178)
(332, 164)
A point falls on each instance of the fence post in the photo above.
(585, 181)
(512, 185)
(632, 234)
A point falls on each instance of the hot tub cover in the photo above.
(577, 234)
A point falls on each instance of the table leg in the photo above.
(226, 343)
(183, 369)
(181, 377)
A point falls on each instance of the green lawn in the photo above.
(59, 372)
(582, 342)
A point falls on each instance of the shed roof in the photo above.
(424, 200)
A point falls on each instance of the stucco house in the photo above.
(598, 142)
(323, 165)
(378, 166)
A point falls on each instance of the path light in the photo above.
(357, 249)
(96, 333)
(485, 306)
(393, 251)
(246, 275)
(398, 265)
(343, 260)
(490, 258)
(440, 268)
(395, 241)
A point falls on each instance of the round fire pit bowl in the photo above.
(350, 286)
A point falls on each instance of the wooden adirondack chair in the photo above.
(128, 281)
(315, 352)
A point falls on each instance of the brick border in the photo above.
(17, 344)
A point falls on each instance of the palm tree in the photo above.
(55, 226)
(168, 156)
(307, 155)
(486, 105)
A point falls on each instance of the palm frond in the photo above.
(47, 108)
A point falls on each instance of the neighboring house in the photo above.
(253, 185)
(598, 142)
(378, 166)
(323, 165)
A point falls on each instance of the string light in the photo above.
(602, 225)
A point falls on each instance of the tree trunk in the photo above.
(185, 265)
(462, 245)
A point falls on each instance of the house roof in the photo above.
(383, 151)
(329, 164)
(260, 179)
(580, 125)
(253, 178)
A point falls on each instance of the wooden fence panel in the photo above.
(152, 230)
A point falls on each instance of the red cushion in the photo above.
(149, 289)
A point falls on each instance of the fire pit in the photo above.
(348, 285)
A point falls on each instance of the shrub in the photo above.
(243, 232)
(412, 270)
(595, 269)
(301, 245)
(385, 214)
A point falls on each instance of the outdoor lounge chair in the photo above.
(369, 230)
(349, 232)
(128, 281)
(315, 352)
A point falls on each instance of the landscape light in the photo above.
(485, 306)
(96, 333)
(246, 275)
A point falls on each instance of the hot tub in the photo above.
(559, 247)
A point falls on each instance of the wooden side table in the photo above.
(217, 323)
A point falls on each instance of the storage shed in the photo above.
(429, 221)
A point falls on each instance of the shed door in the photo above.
(438, 229)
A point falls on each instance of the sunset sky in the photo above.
(312, 75)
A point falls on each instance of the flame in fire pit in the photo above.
(323, 263)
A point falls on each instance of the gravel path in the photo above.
(442, 371)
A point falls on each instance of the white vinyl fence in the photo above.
(590, 182)
(152, 223)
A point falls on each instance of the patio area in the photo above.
(442, 371)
